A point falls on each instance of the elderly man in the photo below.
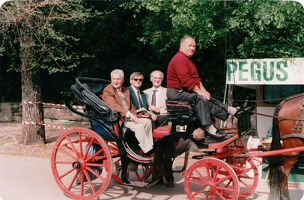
(117, 97)
(156, 96)
(184, 84)
(139, 100)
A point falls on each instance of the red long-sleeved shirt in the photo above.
(182, 73)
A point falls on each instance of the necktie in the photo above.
(139, 100)
(153, 102)
(123, 99)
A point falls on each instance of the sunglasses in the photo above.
(137, 79)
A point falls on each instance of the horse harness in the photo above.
(297, 129)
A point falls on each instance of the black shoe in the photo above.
(170, 184)
(126, 180)
(218, 135)
(200, 144)
(161, 180)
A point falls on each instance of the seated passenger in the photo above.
(117, 97)
(157, 95)
(139, 99)
(184, 84)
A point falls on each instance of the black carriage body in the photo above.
(103, 118)
(95, 160)
(182, 117)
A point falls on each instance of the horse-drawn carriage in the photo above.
(85, 160)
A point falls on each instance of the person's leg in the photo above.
(147, 128)
(143, 133)
(218, 109)
(180, 95)
(162, 166)
(168, 172)
(162, 120)
(204, 110)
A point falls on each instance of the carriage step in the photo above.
(200, 144)
(210, 140)
(204, 144)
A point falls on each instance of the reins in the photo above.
(276, 117)
(300, 119)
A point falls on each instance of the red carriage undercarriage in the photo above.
(84, 161)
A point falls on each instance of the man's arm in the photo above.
(133, 98)
(202, 86)
(109, 98)
(163, 97)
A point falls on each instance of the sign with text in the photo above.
(268, 71)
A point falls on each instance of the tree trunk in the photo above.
(32, 133)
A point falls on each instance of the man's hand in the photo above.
(134, 118)
(154, 117)
(206, 95)
(153, 108)
(202, 92)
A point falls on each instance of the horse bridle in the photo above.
(299, 123)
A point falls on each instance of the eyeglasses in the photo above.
(138, 79)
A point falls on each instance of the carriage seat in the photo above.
(162, 131)
(176, 108)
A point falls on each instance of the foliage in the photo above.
(49, 25)
(249, 25)
(38, 32)
(268, 29)
(144, 35)
(222, 29)
(168, 21)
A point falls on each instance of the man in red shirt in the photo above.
(184, 84)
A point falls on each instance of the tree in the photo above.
(247, 24)
(33, 30)
(267, 29)
(223, 29)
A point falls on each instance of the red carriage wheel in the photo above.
(139, 173)
(211, 178)
(247, 174)
(81, 164)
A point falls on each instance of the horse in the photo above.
(287, 132)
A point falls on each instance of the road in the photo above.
(30, 178)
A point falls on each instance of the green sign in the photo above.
(265, 71)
